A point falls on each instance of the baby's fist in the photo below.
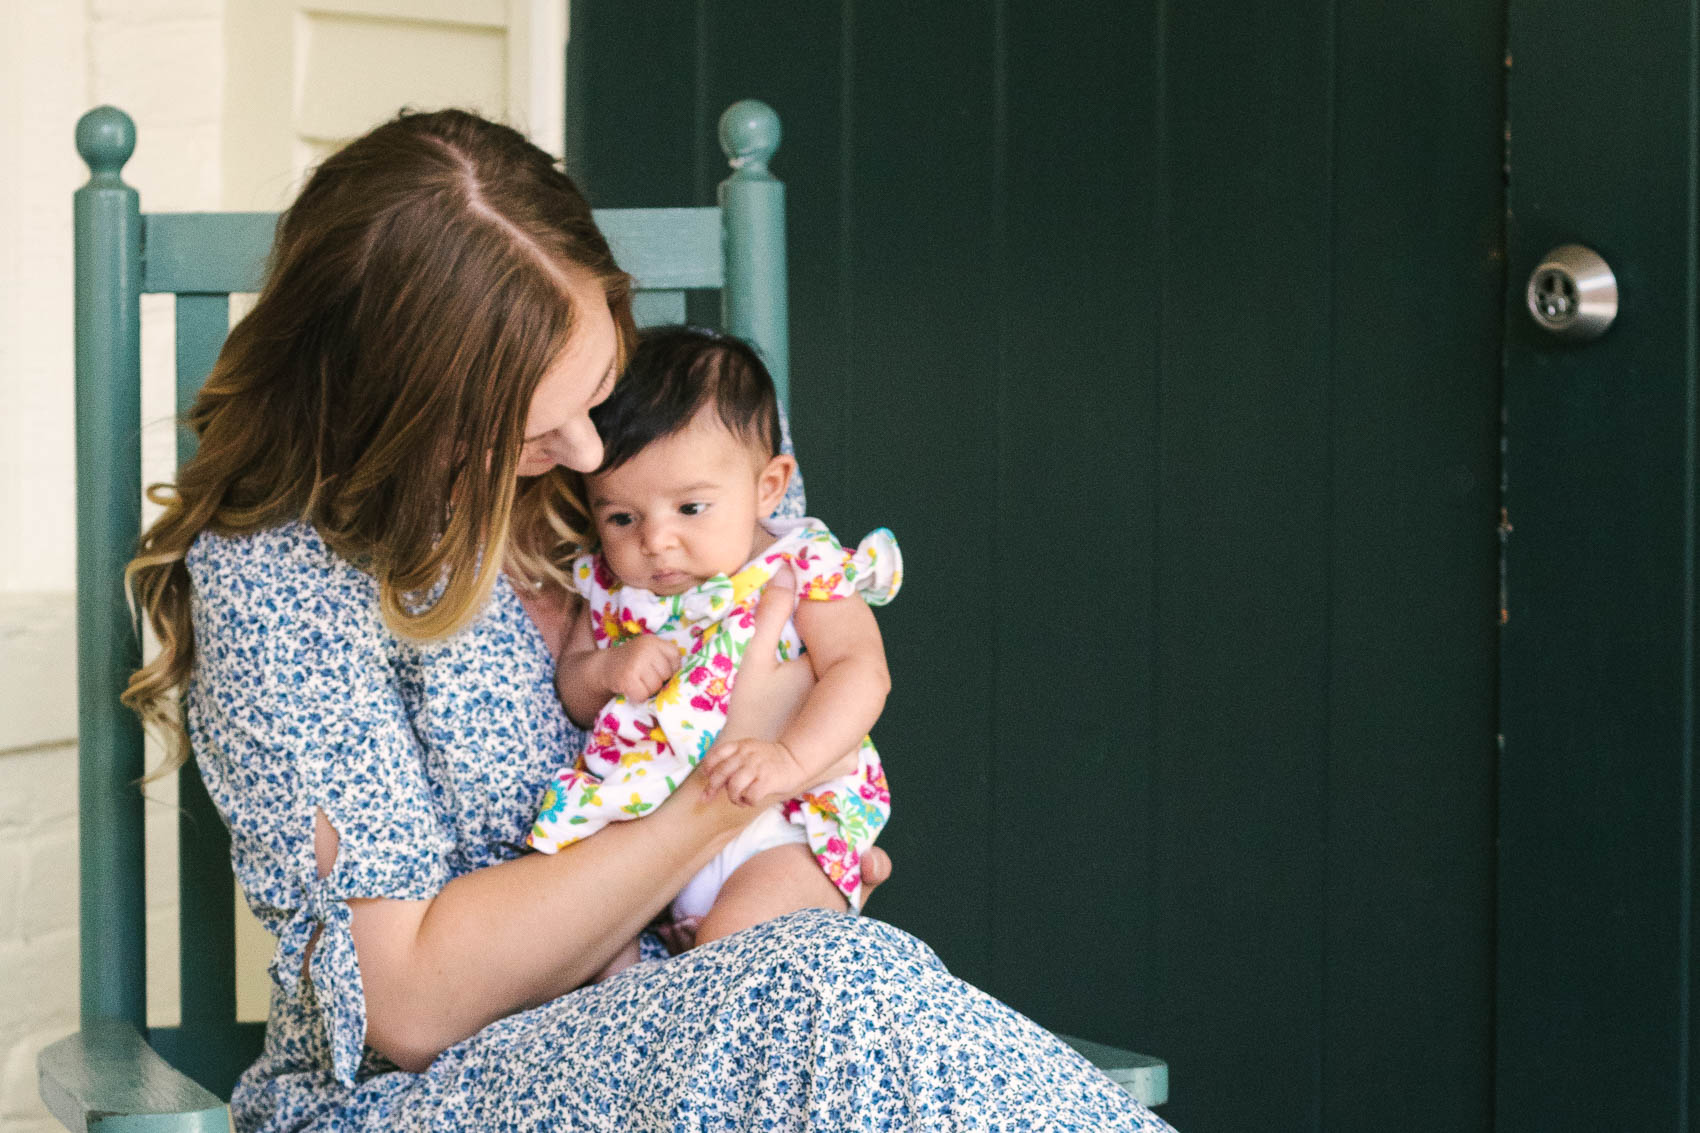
(750, 770)
(639, 667)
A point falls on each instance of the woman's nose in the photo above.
(579, 447)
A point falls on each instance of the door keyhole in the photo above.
(1555, 293)
(1572, 293)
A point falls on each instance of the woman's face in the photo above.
(557, 426)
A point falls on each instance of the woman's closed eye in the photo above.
(605, 386)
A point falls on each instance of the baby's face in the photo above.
(687, 507)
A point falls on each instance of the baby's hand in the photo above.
(636, 669)
(752, 770)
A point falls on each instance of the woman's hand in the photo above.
(768, 691)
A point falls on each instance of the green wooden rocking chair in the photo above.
(117, 1074)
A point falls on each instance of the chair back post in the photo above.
(108, 233)
(752, 209)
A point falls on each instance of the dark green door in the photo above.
(1597, 851)
(1167, 337)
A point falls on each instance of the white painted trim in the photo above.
(38, 669)
(537, 71)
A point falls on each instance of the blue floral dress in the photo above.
(428, 760)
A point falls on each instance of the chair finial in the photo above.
(749, 134)
(106, 137)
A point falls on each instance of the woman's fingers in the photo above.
(876, 870)
(778, 600)
(768, 692)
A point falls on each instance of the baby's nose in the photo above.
(656, 537)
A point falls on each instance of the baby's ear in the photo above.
(775, 477)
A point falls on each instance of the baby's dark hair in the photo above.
(672, 374)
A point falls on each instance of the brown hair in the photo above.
(675, 371)
(378, 390)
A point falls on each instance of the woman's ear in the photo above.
(771, 484)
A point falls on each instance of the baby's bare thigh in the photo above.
(771, 884)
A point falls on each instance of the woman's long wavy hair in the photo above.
(379, 388)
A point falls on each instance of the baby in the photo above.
(692, 470)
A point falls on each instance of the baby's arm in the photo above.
(851, 682)
(586, 677)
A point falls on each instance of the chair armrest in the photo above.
(1146, 1078)
(106, 1079)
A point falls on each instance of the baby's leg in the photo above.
(771, 884)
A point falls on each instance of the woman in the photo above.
(357, 588)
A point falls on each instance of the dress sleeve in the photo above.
(583, 575)
(295, 707)
(827, 571)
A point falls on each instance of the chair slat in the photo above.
(214, 1055)
(653, 308)
(205, 252)
(666, 248)
(1144, 1077)
(202, 323)
(206, 926)
(206, 918)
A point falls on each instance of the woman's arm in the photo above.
(852, 682)
(519, 933)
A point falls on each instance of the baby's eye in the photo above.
(691, 509)
(618, 519)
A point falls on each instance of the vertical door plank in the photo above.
(1075, 519)
(1242, 546)
(1597, 683)
(634, 138)
(1417, 275)
(921, 428)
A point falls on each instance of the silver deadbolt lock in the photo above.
(1573, 293)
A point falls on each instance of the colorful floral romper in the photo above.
(638, 752)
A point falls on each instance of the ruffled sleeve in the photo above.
(827, 571)
(294, 707)
(583, 575)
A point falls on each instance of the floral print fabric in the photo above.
(638, 752)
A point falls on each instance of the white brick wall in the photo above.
(162, 62)
(38, 920)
